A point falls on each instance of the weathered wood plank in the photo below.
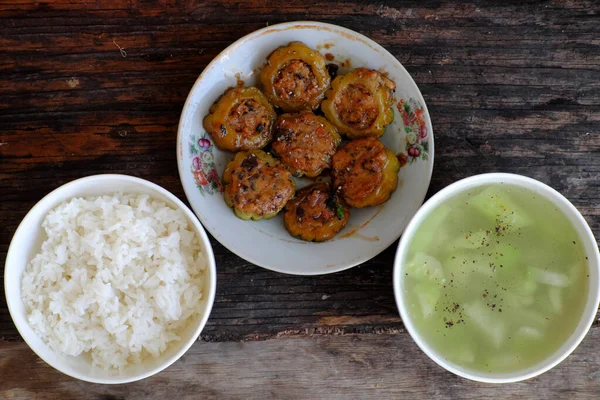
(322, 366)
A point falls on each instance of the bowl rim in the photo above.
(475, 181)
(382, 245)
(211, 268)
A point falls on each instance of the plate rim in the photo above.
(382, 245)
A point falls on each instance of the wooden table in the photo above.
(97, 87)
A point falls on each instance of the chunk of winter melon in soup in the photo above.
(497, 205)
(424, 267)
(433, 230)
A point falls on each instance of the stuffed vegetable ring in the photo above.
(365, 172)
(256, 185)
(316, 214)
(295, 77)
(241, 119)
(305, 143)
(360, 103)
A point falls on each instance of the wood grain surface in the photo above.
(90, 87)
(327, 367)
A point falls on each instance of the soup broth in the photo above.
(495, 279)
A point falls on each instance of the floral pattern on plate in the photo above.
(203, 165)
(415, 128)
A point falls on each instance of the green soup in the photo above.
(495, 279)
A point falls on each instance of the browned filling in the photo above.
(357, 106)
(312, 210)
(296, 82)
(258, 188)
(249, 118)
(358, 168)
(316, 214)
(303, 143)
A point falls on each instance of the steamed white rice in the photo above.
(119, 277)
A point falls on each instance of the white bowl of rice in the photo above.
(110, 278)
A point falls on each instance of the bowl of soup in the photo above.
(497, 278)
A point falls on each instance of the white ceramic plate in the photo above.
(267, 243)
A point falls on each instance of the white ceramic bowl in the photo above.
(27, 242)
(266, 243)
(586, 237)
